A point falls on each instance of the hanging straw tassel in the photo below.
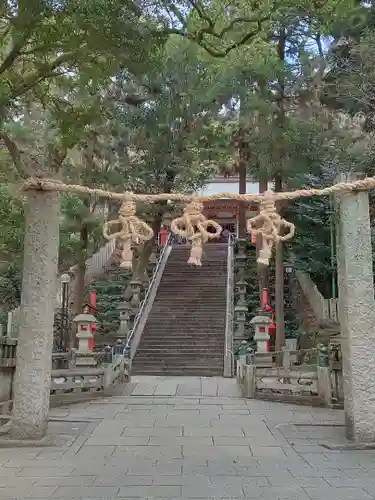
(269, 224)
(133, 231)
(193, 226)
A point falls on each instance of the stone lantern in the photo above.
(84, 335)
(135, 301)
(167, 219)
(240, 283)
(124, 310)
(261, 336)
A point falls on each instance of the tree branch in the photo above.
(43, 73)
(198, 7)
(15, 154)
(14, 52)
(210, 49)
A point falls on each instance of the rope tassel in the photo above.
(193, 226)
(133, 231)
(270, 225)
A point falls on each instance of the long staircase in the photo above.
(185, 330)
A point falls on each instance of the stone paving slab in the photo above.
(189, 438)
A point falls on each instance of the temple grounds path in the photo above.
(189, 437)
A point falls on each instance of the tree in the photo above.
(282, 126)
(164, 143)
(51, 54)
(52, 39)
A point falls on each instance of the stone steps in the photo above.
(185, 331)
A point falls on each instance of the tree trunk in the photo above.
(242, 204)
(38, 302)
(279, 282)
(140, 264)
(79, 293)
(262, 270)
(279, 250)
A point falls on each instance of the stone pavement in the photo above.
(189, 437)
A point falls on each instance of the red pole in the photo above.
(93, 305)
(264, 298)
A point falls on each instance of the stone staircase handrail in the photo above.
(146, 304)
(325, 310)
(228, 355)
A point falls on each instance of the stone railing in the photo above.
(309, 381)
(79, 384)
(8, 349)
(69, 382)
(325, 310)
(144, 307)
(95, 268)
(229, 317)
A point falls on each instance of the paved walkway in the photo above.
(186, 438)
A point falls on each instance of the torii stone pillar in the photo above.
(38, 302)
(356, 312)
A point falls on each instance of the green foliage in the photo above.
(109, 295)
(42, 40)
(118, 92)
(10, 290)
(10, 287)
(11, 224)
(76, 215)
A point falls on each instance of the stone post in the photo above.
(38, 302)
(250, 379)
(84, 335)
(151, 263)
(135, 301)
(240, 309)
(287, 359)
(324, 376)
(124, 312)
(356, 312)
(261, 336)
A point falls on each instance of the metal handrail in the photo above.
(229, 315)
(144, 301)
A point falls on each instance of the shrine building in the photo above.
(225, 211)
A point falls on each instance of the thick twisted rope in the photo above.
(132, 231)
(54, 185)
(193, 226)
(270, 225)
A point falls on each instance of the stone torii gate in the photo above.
(356, 309)
(356, 312)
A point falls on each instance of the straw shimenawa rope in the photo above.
(193, 226)
(269, 224)
(132, 231)
(54, 185)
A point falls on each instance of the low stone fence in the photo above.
(79, 384)
(302, 377)
(70, 382)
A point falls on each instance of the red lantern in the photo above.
(272, 334)
(93, 327)
(272, 330)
